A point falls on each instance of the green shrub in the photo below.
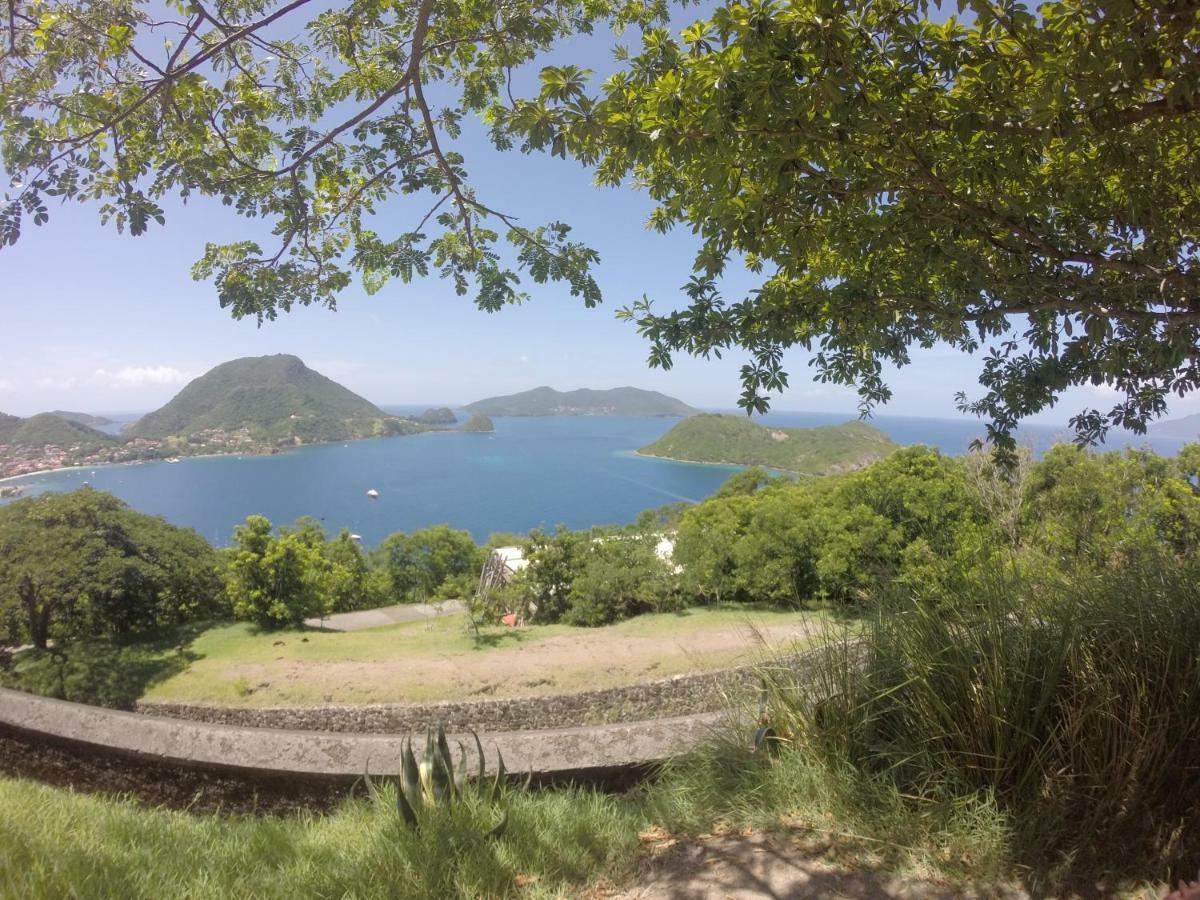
(281, 580)
(1072, 706)
(616, 578)
(430, 564)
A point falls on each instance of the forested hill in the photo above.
(49, 429)
(275, 398)
(546, 401)
(81, 418)
(741, 441)
(1187, 427)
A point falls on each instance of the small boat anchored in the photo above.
(373, 494)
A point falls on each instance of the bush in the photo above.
(619, 577)
(281, 580)
(430, 564)
(1074, 709)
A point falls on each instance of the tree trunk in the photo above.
(37, 613)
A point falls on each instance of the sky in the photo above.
(94, 321)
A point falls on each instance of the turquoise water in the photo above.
(574, 471)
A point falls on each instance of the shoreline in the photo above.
(728, 465)
(245, 454)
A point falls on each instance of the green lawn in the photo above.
(442, 659)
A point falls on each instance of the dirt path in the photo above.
(386, 615)
(758, 867)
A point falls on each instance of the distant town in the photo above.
(28, 459)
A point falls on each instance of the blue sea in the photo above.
(575, 471)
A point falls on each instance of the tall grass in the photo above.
(1072, 708)
(57, 844)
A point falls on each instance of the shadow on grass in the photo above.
(112, 672)
(509, 637)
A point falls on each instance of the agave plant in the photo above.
(437, 781)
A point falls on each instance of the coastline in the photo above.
(699, 462)
(740, 465)
(282, 452)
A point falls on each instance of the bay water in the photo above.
(575, 471)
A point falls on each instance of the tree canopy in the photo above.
(1014, 183)
(83, 565)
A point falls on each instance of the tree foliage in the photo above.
(438, 562)
(277, 580)
(85, 565)
(309, 116)
(1015, 183)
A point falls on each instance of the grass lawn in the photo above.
(441, 659)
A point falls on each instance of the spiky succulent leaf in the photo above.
(372, 791)
(501, 826)
(404, 807)
(479, 750)
(426, 767)
(443, 749)
(410, 775)
(498, 783)
(442, 777)
(460, 771)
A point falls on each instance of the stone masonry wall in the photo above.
(678, 696)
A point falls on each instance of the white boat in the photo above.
(356, 537)
(373, 494)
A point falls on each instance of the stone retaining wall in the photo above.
(678, 696)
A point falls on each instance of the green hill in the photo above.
(441, 415)
(8, 424)
(275, 398)
(741, 441)
(478, 422)
(48, 428)
(1187, 428)
(81, 418)
(545, 401)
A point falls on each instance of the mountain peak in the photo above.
(275, 398)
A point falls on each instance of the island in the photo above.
(1186, 427)
(737, 440)
(546, 401)
(441, 415)
(479, 423)
(254, 405)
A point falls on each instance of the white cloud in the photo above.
(523, 358)
(142, 376)
(6, 386)
(58, 384)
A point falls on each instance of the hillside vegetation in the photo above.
(81, 418)
(440, 415)
(8, 424)
(546, 401)
(49, 429)
(1186, 427)
(478, 422)
(740, 441)
(275, 398)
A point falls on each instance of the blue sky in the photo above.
(96, 321)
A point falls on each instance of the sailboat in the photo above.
(373, 494)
